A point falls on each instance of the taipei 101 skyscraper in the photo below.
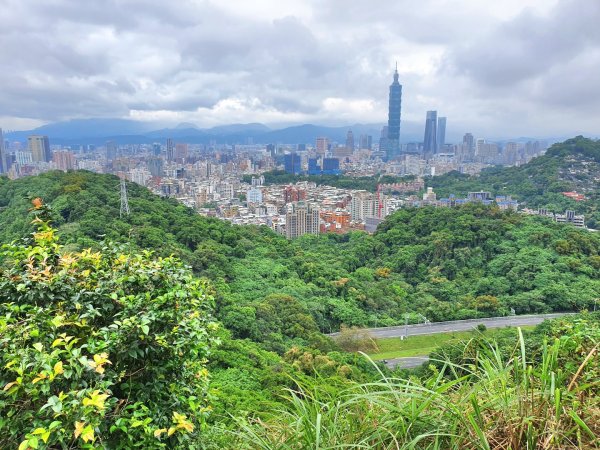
(393, 128)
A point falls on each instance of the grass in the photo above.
(490, 399)
(423, 345)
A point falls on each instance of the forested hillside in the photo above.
(573, 165)
(446, 264)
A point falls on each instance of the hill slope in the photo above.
(444, 263)
(573, 165)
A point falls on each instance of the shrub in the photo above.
(99, 349)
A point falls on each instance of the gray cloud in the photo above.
(516, 67)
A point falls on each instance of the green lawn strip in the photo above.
(423, 344)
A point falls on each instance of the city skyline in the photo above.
(304, 62)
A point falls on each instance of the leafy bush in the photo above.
(99, 349)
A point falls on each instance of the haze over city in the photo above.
(515, 68)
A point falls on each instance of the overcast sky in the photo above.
(501, 68)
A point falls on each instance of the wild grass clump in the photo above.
(495, 400)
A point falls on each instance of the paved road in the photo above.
(459, 325)
(448, 327)
(406, 363)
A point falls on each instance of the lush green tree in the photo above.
(103, 348)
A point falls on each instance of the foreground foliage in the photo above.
(496, 399)
(103, 349)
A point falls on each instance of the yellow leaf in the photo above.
(171, 431)
(57, 342)
(187, 426)
(96, 400)
(88, 434)
(98, 363)
(9, 385)
(41, 376)
(78, 428)
(160, 431)
(58, 368)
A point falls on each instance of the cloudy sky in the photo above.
(496, 68)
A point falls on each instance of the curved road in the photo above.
(458, 325)
(449, 327)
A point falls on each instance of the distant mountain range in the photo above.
(122, 131)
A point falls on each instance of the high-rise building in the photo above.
(156, 150)
(331, 166)
(313, 166)
(394, 111)
(470, 142)
(322, 145)
(292, 163)
(430, 138)
(366, 142)
(111, 151)
(170, 150)
(301, 219)
(3, 157)
(64, 160)
(441, 134)
(511, 150)
(181, 152)
(350, 141)
(155, 166)
(39, 146)
(366, 205)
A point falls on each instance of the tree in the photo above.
(99, 348)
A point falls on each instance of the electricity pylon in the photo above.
(124, 201)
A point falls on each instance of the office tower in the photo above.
(301, 219)
(156, 150)
(39, 146)
(469, 141)
(271, 150)
(112, 151)
(155, 166)
(331, 166)
(394, 110)
(350, 141)
(366, 142)
(181, 152)
(441, 134)
(64, 160)
(313, 166)
(292, 163)
(430, 139)
(511, 150)
(170, 150)
(322, 145)
(23, 158)
(3, 159)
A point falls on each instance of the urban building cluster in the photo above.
(210, 177)
(568, 217)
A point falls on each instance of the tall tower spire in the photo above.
(393, 130)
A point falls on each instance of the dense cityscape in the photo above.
(210, 178)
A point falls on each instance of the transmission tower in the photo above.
(124, 202)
